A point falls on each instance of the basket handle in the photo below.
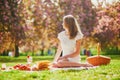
(98, 49)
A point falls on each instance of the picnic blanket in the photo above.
(64, 69)
(42, 65)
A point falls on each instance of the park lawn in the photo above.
(108, 72)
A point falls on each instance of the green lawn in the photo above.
(109, 72)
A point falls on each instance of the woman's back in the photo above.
(68, 45)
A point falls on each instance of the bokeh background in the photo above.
(30, 27)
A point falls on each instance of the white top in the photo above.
(68, 45)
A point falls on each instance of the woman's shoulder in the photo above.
(61, 33)
(79, 36)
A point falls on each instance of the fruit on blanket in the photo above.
(17, 66)
(22, 67)
(43, 65)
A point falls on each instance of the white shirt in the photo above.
(68, 45)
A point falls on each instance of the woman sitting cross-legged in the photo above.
(69, 43)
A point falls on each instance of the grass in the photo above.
(108, 72)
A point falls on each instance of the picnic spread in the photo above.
(41, 65)
(46, 65)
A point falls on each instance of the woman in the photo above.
(69, 43)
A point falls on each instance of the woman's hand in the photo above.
(62, 59)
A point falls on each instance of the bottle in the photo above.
(29, 59)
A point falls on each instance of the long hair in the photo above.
(72, 25)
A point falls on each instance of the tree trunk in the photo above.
(33, 51)
(42, 52)
(4, 53)
(117, 50)
(16, 50)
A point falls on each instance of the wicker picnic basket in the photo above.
(98, 59)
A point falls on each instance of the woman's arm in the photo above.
(57, 55)
(75, 53)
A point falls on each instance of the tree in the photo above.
(11, 24)
(40, 21)
(47, 17)
(107, 31)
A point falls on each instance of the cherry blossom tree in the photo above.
(11, 24)
(107, 31)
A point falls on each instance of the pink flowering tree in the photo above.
(12, 25)
(49, 14)
(107, 32)
(36, 23)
